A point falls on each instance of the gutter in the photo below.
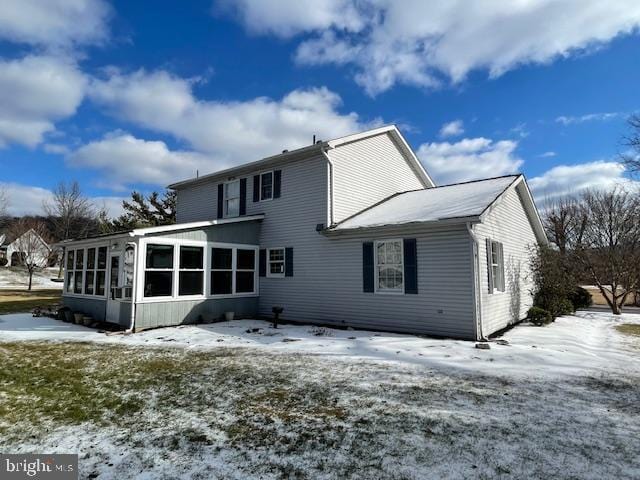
(476, 282)
(330, 162)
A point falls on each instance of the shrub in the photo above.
(580, 298)
(3, 262)
(539, 316)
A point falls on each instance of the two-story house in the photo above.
(348, 232)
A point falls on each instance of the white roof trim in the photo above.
(408, 151)
(141, 232)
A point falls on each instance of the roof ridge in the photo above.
(478, 180)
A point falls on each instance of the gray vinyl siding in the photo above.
(243, 232)
(508, 223)
(368, 171)
(327, 287)
(197, 203)
(95, 307)
(164, 314)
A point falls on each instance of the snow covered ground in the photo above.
(19, 278)
(561, 401)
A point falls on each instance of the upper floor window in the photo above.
(266, 186)
(232, 198)
(389, 266)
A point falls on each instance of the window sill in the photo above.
(389, 292)
(82, 295)
(188, 298)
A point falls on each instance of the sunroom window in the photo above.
(221, 271)
(389, 266)
(191, 275)
(158, 275)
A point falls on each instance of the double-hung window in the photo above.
(232, 199)
(233, 270)
(90, 274)
(276, 260)
(70, 270)
(101, 271)
(191, 274)
(389, 266)
(266, 186)
(78, 271)
(495, 262)
(158, 274)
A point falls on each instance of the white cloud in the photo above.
(452, 129)
(602, 117)
(418, 43)
(229, 132)
(28, 200)
(571, 179)
(123, 160)
(35, 91)
(549, 154)
(54, 23)
(469, 159)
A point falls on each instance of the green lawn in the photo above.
(17, 301)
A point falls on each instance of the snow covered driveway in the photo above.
(214, 401)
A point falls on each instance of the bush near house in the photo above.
(539, 316)
(554, 282)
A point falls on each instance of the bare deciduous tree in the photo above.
(30, 244)
(564, 222)
(71, 213)
(631, 158)
(609, 248)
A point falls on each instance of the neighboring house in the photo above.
(13, 249)
(348, 232)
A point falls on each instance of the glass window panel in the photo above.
(233, 207)
(191, 257)
(221, 258)
(91, 258)
(276, 267)
(100, 282)
(102, 258)
(159, 256)
(246, 259)
(232, 189)
(276, 255)
(244, 282)
(190, 283)
(70, 260)
(221, 282)
(79, 259)
(158, 284)
(77, 288)
(267, 185)
(88, 283)
(69, 282)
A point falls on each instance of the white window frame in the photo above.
(145, 269)
(497, 287)
(225, 199)
(74, 271)
(234, 247)
(201, 270)
(266, 199)
(376, 265)
(256, 254)
(177, 243)
(283, 261)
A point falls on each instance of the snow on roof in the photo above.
(460, 200)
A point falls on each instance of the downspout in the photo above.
(133, 287)
(477, 291)
(330, 162)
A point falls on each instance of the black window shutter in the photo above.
(263, 263)
(410, 266)
(243, 196)
(277, 182)
(220, 199)
(256, 188)
(288, 262)
(367, 267)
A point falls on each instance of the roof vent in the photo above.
(285, 150)
(318, 142)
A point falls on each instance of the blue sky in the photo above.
(121, 95)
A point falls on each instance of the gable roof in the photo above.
(310, 151)
(461, 202)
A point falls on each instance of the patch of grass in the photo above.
(629, 329)
(17, 301)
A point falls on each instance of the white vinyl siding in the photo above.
(508, 224)
(368, 171)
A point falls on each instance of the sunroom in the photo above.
(168, 275)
